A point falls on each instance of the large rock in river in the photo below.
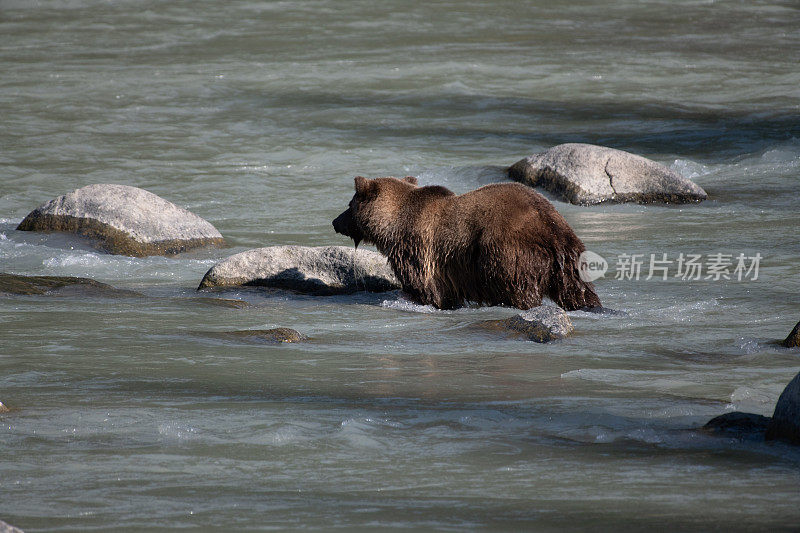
(586, 174)
(124, 220)
(316, 270)
(785, 424)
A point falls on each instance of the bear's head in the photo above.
(372, 207)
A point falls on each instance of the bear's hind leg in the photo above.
(568, 290)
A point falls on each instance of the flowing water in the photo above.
(129, 413)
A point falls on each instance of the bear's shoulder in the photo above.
(433, 191)
(507, 191)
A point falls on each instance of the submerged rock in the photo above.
(785, 424)
(587, 174)
(270, 336)
(230, 303)
(124, 220)
(60, 286)
(741, 425)
(320, 270)
(793, 340)
(541, 324)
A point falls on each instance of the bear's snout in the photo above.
(342, 222)
(345, 225)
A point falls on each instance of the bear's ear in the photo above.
(410, 179)
(362, 185)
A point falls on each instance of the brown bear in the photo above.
(501, 244)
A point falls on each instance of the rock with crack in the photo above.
(316, 270)
(587, 174)
(124, 220)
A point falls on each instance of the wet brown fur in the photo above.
(502, 244)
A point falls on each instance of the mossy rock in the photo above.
(262, 336)
(123, 220)
(59, 285)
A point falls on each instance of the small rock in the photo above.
(230, 303)
(738, 424)
(540, 324)
(785, 424)
(586, 174)
(124, 220)
(276, 335)
(3, 408)
(60, 286)
(793, 340)
(320, 270)
(8, 528)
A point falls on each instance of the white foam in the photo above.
(401, 304)
(176, 431)
(753, 400)
(787, 153)
(355, 431)
(689, 169)
(72, 260)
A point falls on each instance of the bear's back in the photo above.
(512, 214)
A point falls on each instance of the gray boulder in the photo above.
(124, 220)
(586, 174)
(793, 340)
(316, 270)
(540, 324)
(785, 424)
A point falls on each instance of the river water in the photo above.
(128, 413)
